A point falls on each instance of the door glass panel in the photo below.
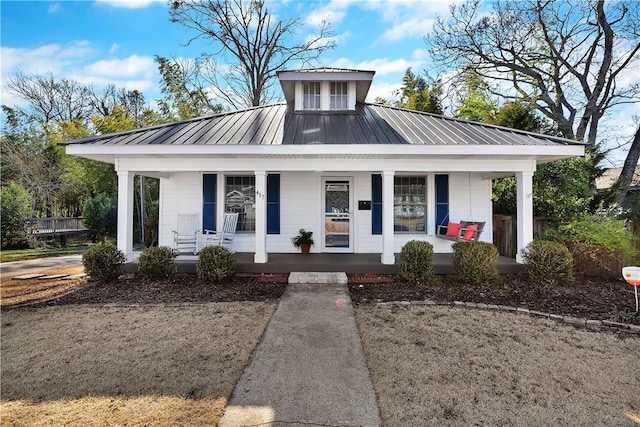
(337, 221)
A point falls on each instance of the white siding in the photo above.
(301, 204)
(180, 193)
(299, 208)
(365, 242)
(470, 200)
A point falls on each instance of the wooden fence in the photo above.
(504, 232)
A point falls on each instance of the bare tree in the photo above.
(253, 44)
(103, 102)
(52, 99)
(566, 57)
(628, 169)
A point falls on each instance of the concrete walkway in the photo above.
(309, 368)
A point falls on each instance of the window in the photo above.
(409, 204)
(339, 97)
(311, 99)
(241, 197)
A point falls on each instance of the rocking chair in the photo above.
(224, 237)
(185, 237)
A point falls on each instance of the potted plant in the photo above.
(304, 240)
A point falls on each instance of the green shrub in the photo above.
(157, 263)
(215, 264)
(475, 262)
(600, 243)
(101, 215)
(15, 203)
(416, 262)
(548, 261)
(103, 262)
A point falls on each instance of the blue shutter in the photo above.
(442, 199)
(209, 190)
(376, 204)
(273, 204)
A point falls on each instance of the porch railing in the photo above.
(55, 225)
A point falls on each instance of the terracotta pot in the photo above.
(305, 249)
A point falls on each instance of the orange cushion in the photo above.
(453, 229)
(470, 232)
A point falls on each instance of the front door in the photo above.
(338, 217)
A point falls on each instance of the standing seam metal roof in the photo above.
(369, 124)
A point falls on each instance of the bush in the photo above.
(600, 243)
(157, 263)
(548, 261)
(103, 262)
(475, 262)
(16, 209)
(416, 262)
(215, 264)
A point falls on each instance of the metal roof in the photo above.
(325, 70)
(369, 124)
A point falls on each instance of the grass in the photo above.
(447, 366)
(25, 254)
(151, 365)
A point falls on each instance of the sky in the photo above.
(114, 41)
(103, 42)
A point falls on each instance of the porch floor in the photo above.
(348, 263)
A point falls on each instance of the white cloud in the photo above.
(382, 90)
(76, 61)
(51, 58)
(132, 66)
(381, 66)
(128, 4)
(406, 19)
(54, 8)
(334, 12)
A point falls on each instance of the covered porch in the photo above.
(362, 263)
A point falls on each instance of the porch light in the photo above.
(632, 276)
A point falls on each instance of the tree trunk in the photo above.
(630, 164)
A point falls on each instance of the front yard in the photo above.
(148, 353)
(80, 366)
(443, 366)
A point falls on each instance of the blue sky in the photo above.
(104, 42)
(114, 41)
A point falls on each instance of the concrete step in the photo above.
(318, 277)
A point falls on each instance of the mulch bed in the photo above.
(184, 288)
(584, 297)
(588, 298)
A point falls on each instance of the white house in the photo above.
(365, 178)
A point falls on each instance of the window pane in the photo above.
(241, 198)
(339, 96)
(410, 204)
(311, 98)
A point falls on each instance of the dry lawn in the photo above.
(448, 366)
(17, 292)
(125, 366)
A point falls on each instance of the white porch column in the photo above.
(260, 256)
(431, 204)
(388, 256)
(525, 211)
(125, 213)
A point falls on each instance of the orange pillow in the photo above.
(453, 229)
(470, 232)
